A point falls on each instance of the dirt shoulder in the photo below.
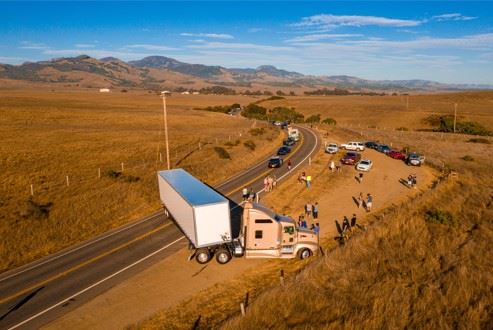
(174, 280)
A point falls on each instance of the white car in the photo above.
(354, 146)
(364, 165)
(331, 148)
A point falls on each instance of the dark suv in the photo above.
(371, 145)
(275, 162)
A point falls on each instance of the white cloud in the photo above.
(208, 35)
(149, 47)
(316, 37)
(232, 45)
(33, 45)
(452, 17)
(84, 46)
(332, 21)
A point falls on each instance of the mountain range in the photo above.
(159, 72)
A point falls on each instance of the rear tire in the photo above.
(305, 253)
(203, 256)
(223, 256)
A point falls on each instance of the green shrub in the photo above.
(446, 124)
(35, 210)
(284, 113)
(313, 119)
(479, 140)
(250, 145)
(440, 217)
(222, 153)
(257, 131)
(113, 174)
(329, 121)
(254, 111)
(468, 158)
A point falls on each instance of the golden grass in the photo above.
(47, 136)
(402, 272)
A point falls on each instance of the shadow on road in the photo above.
(22, 302)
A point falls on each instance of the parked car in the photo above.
(371, 144)
(289, 142)
(356, 146)
(277, 123)
(351, 158)
(364, 165)
(285, 124)
(415, 159)
(383, 148)
(396, 154)
(284, 150)
(331, 148)
(275, 161)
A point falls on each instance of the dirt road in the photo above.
(175, 279)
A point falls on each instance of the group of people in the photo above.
(270, 183)
(333, 167)
(347, 226)
(306, 179)
(311, 210)
(366, 203)
(303, 223)
(412, 180)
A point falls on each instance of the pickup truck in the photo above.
(354, 146)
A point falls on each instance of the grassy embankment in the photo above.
(47, 136)
(423, 264)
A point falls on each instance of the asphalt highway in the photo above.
(39, 292)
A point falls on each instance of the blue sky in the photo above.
(445, 41)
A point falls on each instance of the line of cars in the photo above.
(285, 149)
(353, 156)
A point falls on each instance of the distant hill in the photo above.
(159, 71)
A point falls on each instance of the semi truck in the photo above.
(205, 218)
(293, 133)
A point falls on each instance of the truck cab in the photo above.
(294, 134)
(266, 234)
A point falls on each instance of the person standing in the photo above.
(308, 181)
(289, 164)
(245, 193)
(345, 224)
(360, 176)
(304, 224)
(270, 181)
(251, 195)
(360, 200)
(266, 184)
(315, 211)
(369, 202)
(308, 210)
(332, 166)
(316, 229)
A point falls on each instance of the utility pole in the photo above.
(163, 96)
(455, 115)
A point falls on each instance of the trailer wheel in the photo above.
(203, 256)
(223, 256)
(305, 253)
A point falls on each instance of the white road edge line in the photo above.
(95, 284)
(149, 217)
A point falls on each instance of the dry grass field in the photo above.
(393, 111)
(422, 263)
(49, 136)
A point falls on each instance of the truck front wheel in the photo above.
(223, 256)
(203, 256)
(305, 253)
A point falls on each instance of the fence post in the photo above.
(242, 307)
(99, 172)
(281, 278)
(309, 161)
(32, 190)
(68, 183)
(160, 157)
(122, 166)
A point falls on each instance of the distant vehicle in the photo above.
(285, 125)
(371, 144)
(289, 142)
(364, 165)
(284, 150)
(331, 148)
(355, 146)
(277, 123)
(415, 159)
(351, 158)
(396, 154)
(383, 148)
(275, 161)
(293, 133)
(204, 217)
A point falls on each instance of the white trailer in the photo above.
(201, 213)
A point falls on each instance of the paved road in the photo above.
(42, 291)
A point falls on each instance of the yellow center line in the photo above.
(83, 264)
(267, 171)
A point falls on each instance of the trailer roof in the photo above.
(191, 189)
